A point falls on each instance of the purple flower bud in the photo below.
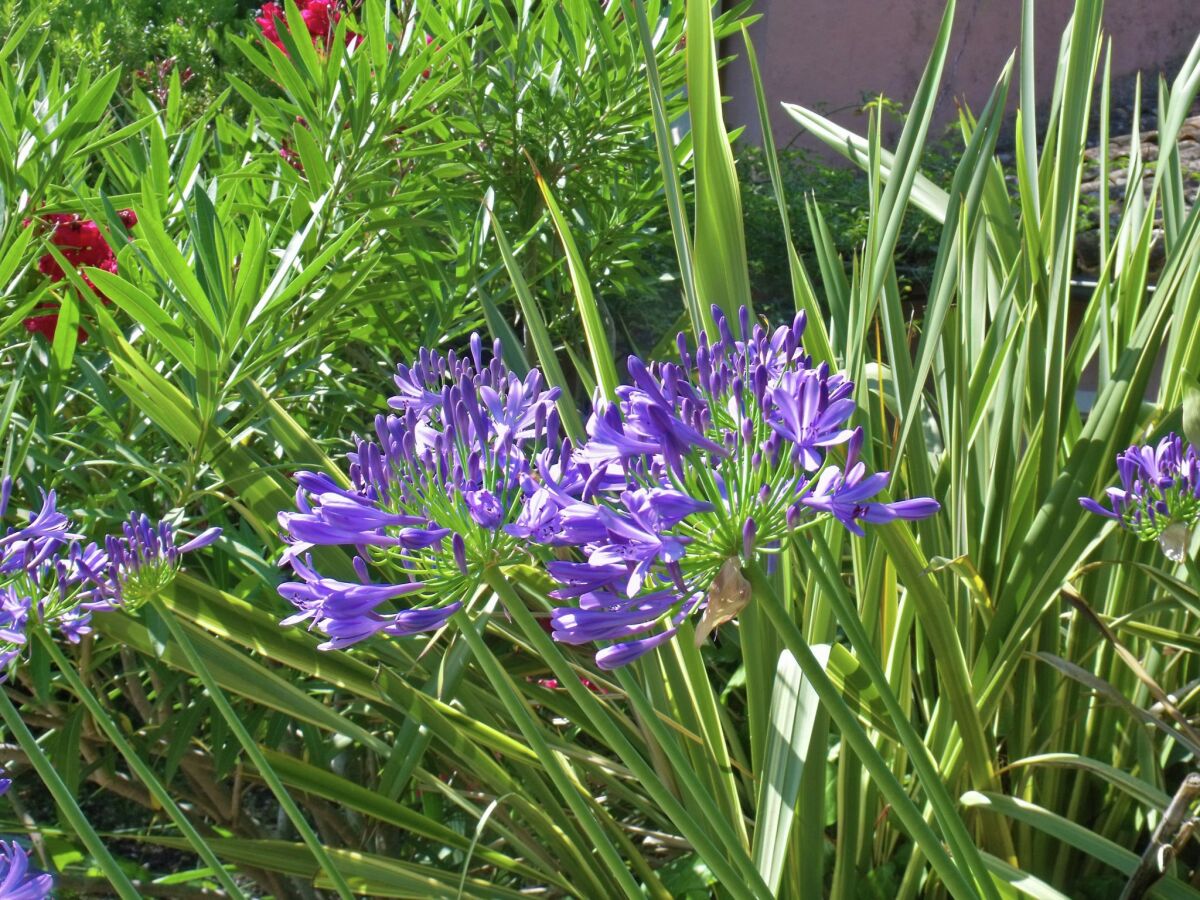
(793, 516)
(749, 530)
(681, 344)
(853, 446)
(622, 654)
(459, 548)
(203, 539)
(360, 569)
(722, 323)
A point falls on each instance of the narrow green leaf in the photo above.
(1074, 835)
(604, 370)
(722, 275)
(542, 343)
(794, 709)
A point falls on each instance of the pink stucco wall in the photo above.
(825, 54)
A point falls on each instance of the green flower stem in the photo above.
(567, 786)
(852, 732)
(739, 878)
(66, 802)
(252, 749)
(143, 771)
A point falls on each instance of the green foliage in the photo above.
(145, 39)
(911, 714)
(843, 195)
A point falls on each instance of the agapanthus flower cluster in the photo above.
(18, 881)
(320, 18)
(50, 579)
(1159, 496)
(81, 244)
(713, 462)
(427, 500)
(697, 468)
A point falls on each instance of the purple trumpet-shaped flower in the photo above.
(438, 494)
(607, 616)
(18, 881)
(15, 609)
(547, 517)
(47, 523)
(25, 548)
(37, 586)
(847, 497)
(1159, 496)
(346, 612)
(577, 579)
(809, 412)
(639, 536)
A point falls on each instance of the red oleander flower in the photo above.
(266, 19)
(320, 17)
(80, 242)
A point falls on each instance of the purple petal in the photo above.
(622, 654)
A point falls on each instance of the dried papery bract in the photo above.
(728, 596)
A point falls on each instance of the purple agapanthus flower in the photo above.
(547, 517)
(25, 548)
(18, 881)
(691, 470)
(722, 456)
(809, 412)
(38, 585)
(135, 565)
(639, 533)
(1159, 496)
(439, 493)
